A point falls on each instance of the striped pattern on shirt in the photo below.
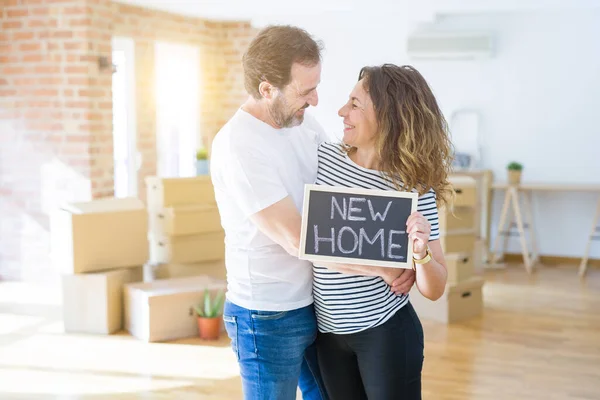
(348, 303)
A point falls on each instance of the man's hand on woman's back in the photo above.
(404, 282)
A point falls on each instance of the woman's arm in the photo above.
(431, 276)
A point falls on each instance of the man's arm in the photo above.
(251, 178)
(282, 223)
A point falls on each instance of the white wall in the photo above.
(538, 96)
(351, 41)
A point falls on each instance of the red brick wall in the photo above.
(56, 107)
(232, 40)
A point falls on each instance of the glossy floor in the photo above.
(539, 338)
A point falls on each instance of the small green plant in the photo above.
(514, 166)
(210, 307)
(202, 154)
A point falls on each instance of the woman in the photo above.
(370, 343)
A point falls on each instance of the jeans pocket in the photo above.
(231, 327)
(268, 315)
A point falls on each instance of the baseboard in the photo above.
(517, 258)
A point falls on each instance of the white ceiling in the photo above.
(242, 9)
(261, 9)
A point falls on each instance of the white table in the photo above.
(511, 200)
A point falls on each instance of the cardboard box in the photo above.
(99, 235)
(93, 302)
(187, 249)
(214, 269)
(459, 302)
(171, 192)
(463, 242)
(184, 220)
(465, 188)
(163, 310)
(456, 220)
(460, 267)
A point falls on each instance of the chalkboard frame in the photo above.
(309, 188)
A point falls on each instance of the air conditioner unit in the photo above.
(449, 45)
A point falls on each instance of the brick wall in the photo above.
(56, 107)
(232, 40)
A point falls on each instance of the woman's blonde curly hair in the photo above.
(413, 141)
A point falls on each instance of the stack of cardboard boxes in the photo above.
(98, 247)
(462, 298)
(187, 251)
(103, 249)
(185, 233)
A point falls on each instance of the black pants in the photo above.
(382, 363)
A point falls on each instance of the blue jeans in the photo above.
(276, 352)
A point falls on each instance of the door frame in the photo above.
(127, 45)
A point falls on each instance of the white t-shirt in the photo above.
(253, 166)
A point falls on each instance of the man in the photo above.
(260, 161)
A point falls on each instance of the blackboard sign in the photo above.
(356, 226)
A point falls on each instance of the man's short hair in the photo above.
(272, 53)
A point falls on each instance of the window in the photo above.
(124, 118)
(177, 108)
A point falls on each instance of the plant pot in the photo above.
(514, 177)
(202, 167)
(209, 328)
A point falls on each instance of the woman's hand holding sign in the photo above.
(430, 272)
(419, 229)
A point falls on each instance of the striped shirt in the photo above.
(350, 303)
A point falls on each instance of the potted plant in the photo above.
(202, 162)
(514, 173)
(209, 315)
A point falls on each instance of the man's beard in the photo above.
(281, 117)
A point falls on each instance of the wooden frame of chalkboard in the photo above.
(356, 229)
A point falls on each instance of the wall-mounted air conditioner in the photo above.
(450, 45)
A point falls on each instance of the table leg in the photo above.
(501, 223)
(593, 233)
(522, 238)
(508, 232)
(528, 203)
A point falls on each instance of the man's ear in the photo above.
(266, 90)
